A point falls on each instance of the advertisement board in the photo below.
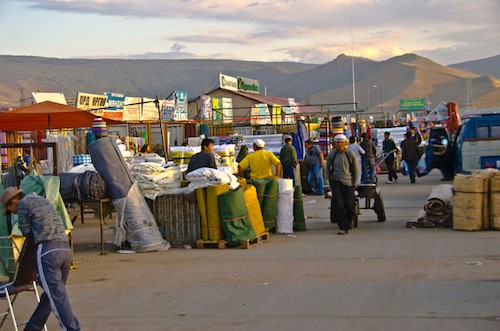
(260, 114)
(248, 85)
(115, 106)
(149, 111)
(181, 106)
(206, 107)
(168, 110)
(54, 97)
(227, 110)
(132, 109)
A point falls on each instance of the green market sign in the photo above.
(412, 104)
(248, 85)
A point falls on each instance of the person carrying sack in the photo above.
(343, 172)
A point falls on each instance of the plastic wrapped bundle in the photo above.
(470, 201)
(284, 219)
(268, 194)
(136, 223)
(254, 212)
(234, 216)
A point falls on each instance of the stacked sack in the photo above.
(476, 201)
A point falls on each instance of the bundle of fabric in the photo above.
(204, 177)
(268, 194)
(154, 179)
(299, 218)
(437, 212)
(135, 221)
(234, 216)
(88, 185)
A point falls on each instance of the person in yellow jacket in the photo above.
(260, 162)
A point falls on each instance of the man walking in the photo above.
(389, 148)
(38, 218)
(342, 170)
(288, 158)
(316, 162)
(368, 159)
(409, 149)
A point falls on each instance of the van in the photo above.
(475, 146)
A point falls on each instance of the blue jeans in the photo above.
(289, 172)
(368, 169)
(53, 261)
(316, 176)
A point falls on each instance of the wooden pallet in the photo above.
(222, 244)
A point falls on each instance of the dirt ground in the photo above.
(381, 276)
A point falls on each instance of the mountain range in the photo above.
(379, 85)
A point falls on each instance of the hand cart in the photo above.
(373, 200)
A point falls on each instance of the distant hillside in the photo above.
(487, 67)
(407, 76)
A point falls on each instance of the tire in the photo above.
(356, 213)
(378, 207)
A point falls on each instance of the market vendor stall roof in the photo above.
(47, 115)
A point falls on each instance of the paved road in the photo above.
(382, 276)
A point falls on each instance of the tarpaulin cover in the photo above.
(109, 163)
(47, 115)
(299, 219)
(201, 199)
(234, 215)
(284, 218)
(254, 212)
(213, 214)
(48, 187)
(267, 192)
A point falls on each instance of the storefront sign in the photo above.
(412, 104)
(228, 82)
(248, 85)
(276, 114)
(95, 103)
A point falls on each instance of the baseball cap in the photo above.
(259, 143)
(7, 195)
(340, 137)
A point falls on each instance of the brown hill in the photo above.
(407, 76)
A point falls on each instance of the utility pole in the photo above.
(22, 99)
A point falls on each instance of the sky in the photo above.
(307, 31)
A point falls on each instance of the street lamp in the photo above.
(380, 89)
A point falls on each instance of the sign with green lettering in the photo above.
(412, 104)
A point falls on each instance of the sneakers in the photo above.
(389, 181)
(342, 232)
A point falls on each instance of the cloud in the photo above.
(177, 47)
(305, 30)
